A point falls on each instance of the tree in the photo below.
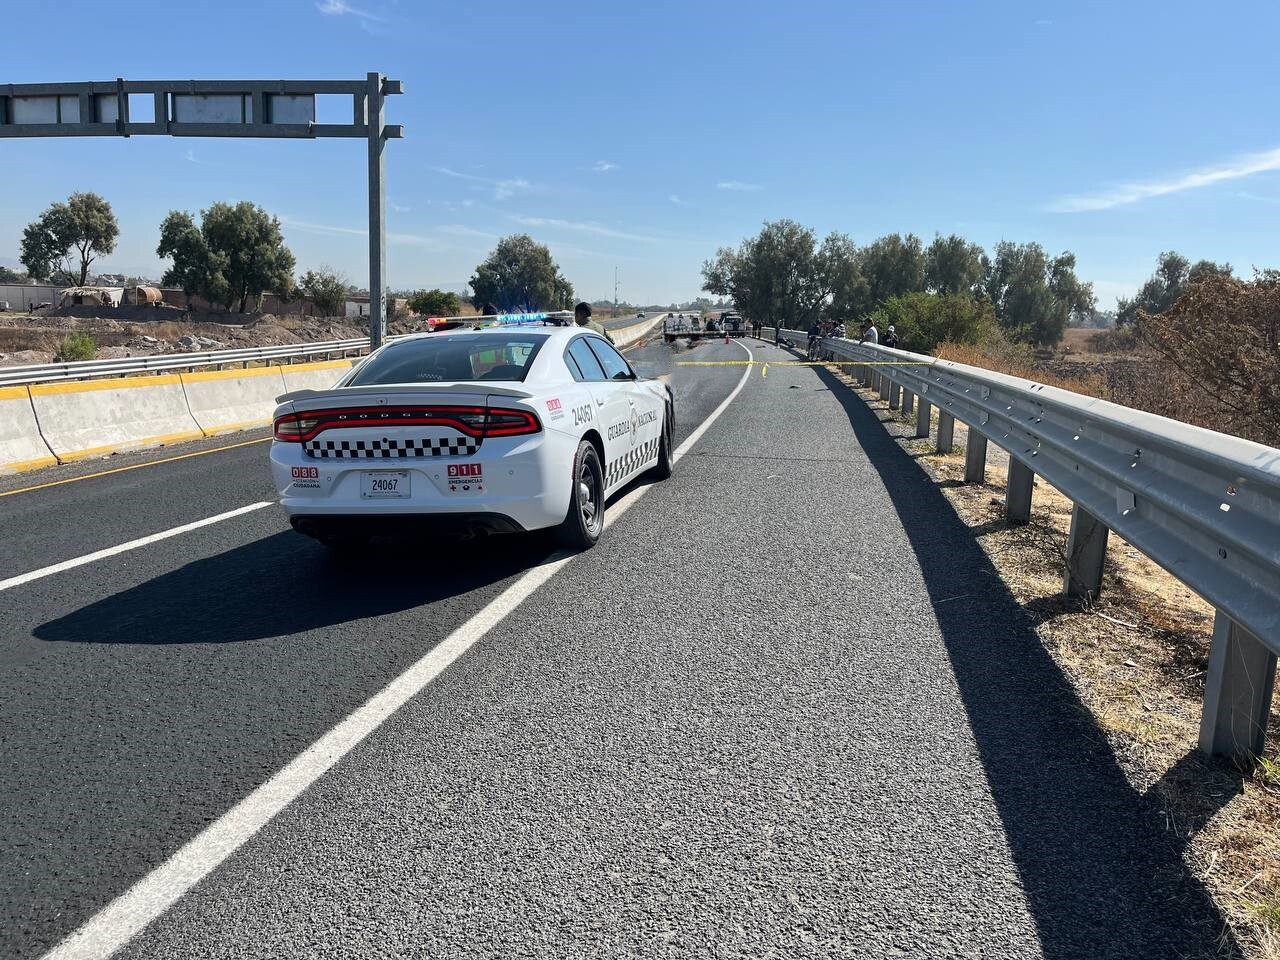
(924, 320)
(11, 276)
(239, 253)
(195, 268)
(781, 275)
(83, 228)
(1174, 275)
(435, 303)
(1033, 296)
(954, 265)
(1222, 336)
(256, 257)
(520, 276)
(326, 288)
(892, 266)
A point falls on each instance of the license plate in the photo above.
(384, 483)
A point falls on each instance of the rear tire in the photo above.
(584, 522)
(666, 465)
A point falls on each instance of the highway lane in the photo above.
(745, 728)
(785, 708)
(142, 695)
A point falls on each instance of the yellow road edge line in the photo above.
(134, 466)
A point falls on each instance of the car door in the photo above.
(611, 411)
(641, 428)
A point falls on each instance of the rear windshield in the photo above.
(450, 358)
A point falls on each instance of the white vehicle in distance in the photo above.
(504, 429)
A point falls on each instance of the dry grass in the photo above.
(1017, 363)
(1137, 658)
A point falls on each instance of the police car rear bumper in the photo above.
(407, 525)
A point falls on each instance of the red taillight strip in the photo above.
(304, 426)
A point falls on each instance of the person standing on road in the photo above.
(582, 316)
(891, 338)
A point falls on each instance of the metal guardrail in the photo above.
(85, 369)
(1203, 505)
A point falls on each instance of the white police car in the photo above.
(503, 429)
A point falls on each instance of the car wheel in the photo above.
(584, 522)
(666, 465)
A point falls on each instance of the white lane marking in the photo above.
(22, 578)
(126, 916)
(694, 437)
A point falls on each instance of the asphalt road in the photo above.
(785, 708)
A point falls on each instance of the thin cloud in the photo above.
(397, 208)
(1245, 166)
(604, 166)
(591, 228)
(340, 8)
(677, 201)
(738, 186)
(502, 189)
(333, 230)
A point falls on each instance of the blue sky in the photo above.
(642, 136)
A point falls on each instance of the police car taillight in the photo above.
(473, 421)
(294, 429)
(505, 422)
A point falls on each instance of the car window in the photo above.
(615, 368)
(575, 371)
(451, 358)
(588, 365)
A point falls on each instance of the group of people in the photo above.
(867, 333)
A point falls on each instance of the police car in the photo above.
(514, 427)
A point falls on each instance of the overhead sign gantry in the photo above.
(274, 109)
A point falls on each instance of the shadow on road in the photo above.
(285, 584)
(1102, 871)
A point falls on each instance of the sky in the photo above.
(640, 137)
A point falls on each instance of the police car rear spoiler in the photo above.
(425, 390)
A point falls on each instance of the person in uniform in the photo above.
(582, 315)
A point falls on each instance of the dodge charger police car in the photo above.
(505, 429)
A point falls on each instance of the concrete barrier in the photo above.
(94, 418)
(626, 336)
(222, 401)
(21, 446)
(314, 376)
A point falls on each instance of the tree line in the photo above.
(950, 289)
(233, 253)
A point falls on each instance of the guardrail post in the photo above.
(908, 401)
(922, 418)
(1086, 552)
(1237, 692)
(946, 431)
(884, 387)
(975, 458)
(868, 375)
(1017, 495)
(895, 397)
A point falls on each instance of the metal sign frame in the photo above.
(101, 109)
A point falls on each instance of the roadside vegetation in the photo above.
(76, 346)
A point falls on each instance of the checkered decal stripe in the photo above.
(630, 462)
(456, 446)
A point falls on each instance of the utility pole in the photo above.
(615, 291)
